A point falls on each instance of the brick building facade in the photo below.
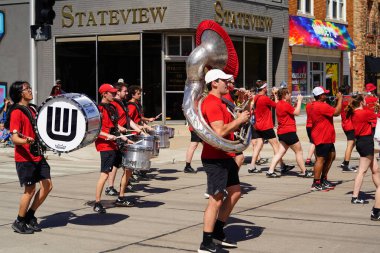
(365, 30)
(319, 46)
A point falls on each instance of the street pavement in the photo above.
(274, 215)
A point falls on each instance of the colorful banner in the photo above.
(3, 94)
(2, 24)
(317, 33)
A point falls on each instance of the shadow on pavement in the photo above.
(246, 188)
(167, 171)
(93, 219)
(241, 230)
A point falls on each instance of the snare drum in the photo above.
(148, 141)
(136, 157)
(68, 122)
(162, 133)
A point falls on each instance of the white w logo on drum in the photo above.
(65, 123)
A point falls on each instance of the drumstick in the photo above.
(136, 142)
(127, 135)
(159, 115)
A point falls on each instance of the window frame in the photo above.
(180, 44)
(302, 9)
(341, 10)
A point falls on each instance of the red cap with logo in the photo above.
(106, 87)
(370, 87)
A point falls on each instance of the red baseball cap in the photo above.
(106, 87)
(370, 87)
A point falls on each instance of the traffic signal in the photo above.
(44, 13)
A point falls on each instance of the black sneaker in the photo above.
(21, 227)
(124, 202)
(33, 224)
(327, 184)
(272, 175)
(318, 187)
(285, 168)
(309, 163)
(205, 248)
(98, 207)
(262, 161)
(110, 191)
(134, 178)
(129, 188)
(308, 174)
(355, 200)
(346, 168)
(225, 242)
(189, 169)
(375, 217)
(254, 170)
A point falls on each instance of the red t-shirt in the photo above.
(214, 110)
(308, 116)
(285, 118)
(322, 131)
(263, 112)
(134, 113)
(346, 122)
(21, 123)
(101, 143)
(371, 102)
(122, 114)
(361, 120)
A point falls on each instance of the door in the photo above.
(175, 85)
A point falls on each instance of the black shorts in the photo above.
(289, 138)
(350, 135)
(308, 131)
(373, 131)
(266, 134)
(255, 134)
(324, 149)
(221, 173)
(365, 145)
(30, 173)
(195, 137)
(109, 159)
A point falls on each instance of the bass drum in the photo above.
(68, 122)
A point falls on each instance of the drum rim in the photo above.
(84, 137)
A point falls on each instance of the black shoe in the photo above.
(355, 200)
(309, 163)
(318, 187)
(285, 168)
(21, 227)
(33, 224)
(261, 161)
(308, 174)
(254, 170)
(375, 217)
(224, 242)
(134, 179)
(129, 188)
(123, 202)
(142, 175)
(110, 191)
(189, 169)
(346, 168)
(327, 184)
(98, 207)
(205, 248)
(272, 175)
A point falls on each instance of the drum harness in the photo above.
(114, 116)
(125, 108)
(139, 110)
(36, 148)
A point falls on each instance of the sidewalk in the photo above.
(274, 215)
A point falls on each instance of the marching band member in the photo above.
(194, 142)
(31, 165)
(323, 135)
(264, 126)
(286, 132)
(348, 129)
(221, 169)
(106, 145)
(372, 102)
(126, 123)
(361, 120)
(135, 110)
(308, 162)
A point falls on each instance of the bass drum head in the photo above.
(61, 123)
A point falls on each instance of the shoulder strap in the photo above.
(138, 107)
(112, 112)
(231, 106)
(25, 110)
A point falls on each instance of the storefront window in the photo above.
(173, 45)
(152, 80)
(299, 78)
(255, 61)
(174, 106)
(179, 45)
(187, 45)
(332, 77)
(76, 65)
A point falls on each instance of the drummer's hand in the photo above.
(130, 142)
(124, 138)
(29, 140)
(146, 127)
(111, 137)
(151, 119)
(122, 129)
